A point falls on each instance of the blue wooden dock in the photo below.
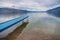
(5, 27)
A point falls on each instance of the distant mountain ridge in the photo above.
(11, 11)
(54, 11)
(14, 11)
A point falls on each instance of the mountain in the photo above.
(36, 11)
(54, 11)
(11, 11)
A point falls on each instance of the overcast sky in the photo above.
(30, 4)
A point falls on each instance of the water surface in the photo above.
(41, 26)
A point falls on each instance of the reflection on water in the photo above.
(16, 32)
(45, 22)
(42, 26)
(6, 16)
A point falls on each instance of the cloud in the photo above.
(31, 5)
(48, 2)
(6, 5)
(40, 5)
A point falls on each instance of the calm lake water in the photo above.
(43, 21)
(5, 17)
(41, 26)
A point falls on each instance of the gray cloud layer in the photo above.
(30, 4)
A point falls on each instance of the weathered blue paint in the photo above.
(8, 24)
